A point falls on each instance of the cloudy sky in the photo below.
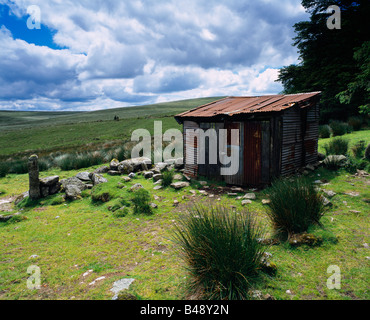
(98, 54)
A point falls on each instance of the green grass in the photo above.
(71, 238)
(352, 137)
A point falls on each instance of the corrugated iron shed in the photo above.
(231, 106)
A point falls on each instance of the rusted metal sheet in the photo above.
(236, 179)
(252, 153)
(190, 148)
(231, 106)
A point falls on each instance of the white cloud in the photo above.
(133, 52)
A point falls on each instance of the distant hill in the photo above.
(25, 132)
(10, 120)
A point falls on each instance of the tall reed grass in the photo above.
(221, 251)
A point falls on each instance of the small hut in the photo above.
(278, 134)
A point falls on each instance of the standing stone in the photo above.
(33, 174)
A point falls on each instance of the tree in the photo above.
(358, 91)
(327, 60)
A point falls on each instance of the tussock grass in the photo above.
(295, 206)
(221, 252)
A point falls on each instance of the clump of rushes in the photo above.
(167, 177)
(141, 201)
(295, 205)
(221, 250)
(337, 146)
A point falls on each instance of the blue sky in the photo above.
(94, 54)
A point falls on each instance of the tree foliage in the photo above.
(334, 61)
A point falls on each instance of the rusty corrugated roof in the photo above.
(245, 105)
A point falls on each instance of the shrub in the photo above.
(295, 206)
(355, 123)
(367, 152)
(324, 131)
(18, 167)
(336, 146)
(339, 128)
(352, 165)
(335, 162)
(117, 204)
(4, 169)
(121, 212)
(167, 177)
(222, 252)
(103, 193)
(141, 201)
(358, 149)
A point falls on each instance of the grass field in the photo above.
(70, 238)
(75, 243)
(22, 133)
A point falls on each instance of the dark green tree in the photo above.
(328, 57)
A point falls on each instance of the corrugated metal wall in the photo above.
(291, 152)
(252, 152)
(190, 149)
(312, 134)
(208, 169)
(300, 133)
(237, 179)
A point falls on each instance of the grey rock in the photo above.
(179, 163)
(83, 176)
(97, 178)
(157, 176)
(72, 192)
(73, 181)
(326, 201)
(114, 165)
(132, 175)
(249, 196)
(177, 177)
(148, 174)
(49, 181)
(160, 166)
(329, 193)
(237, 189)
(136, 186)
(157, 187)
(244, 202)
(125, 167)
(120, 285)
(103, 169)
(180, 185)
(114, 173)
(8, 217)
